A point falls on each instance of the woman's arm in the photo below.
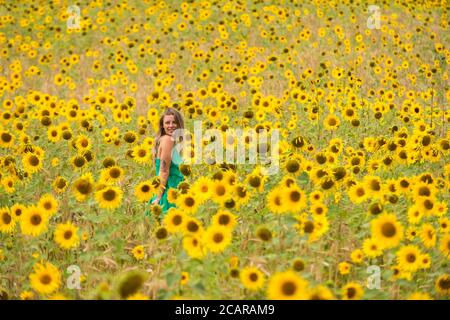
(166, 144)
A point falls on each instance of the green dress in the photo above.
(175, 177)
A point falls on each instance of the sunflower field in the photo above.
(359, 94)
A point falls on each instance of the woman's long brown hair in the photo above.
(161, 132)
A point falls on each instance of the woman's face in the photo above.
(169, 124)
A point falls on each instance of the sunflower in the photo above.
(17, 210)
(31, 162)
(82, 143)
(424, 190)
(256, 180)
(374, 186)
(217, 238)
(46, 278)
(66, 235)
(49, 204)
(372, 248)
(358, 193)
(331, 122)
(83, 187)
(138, 252)
(427, 206)
(294, 199)
(387, 230)
(224, 218)
(34, 221)
(78, 162)
(404, 185)
(54, 134)
(425, 261)
(344, 268)
(316, 197)
(7, 220)
(293, 166)
(59, 184)
(26, 295)
(357, 256)
(141, 154)
(6, 139)
(242, 193)
(442, 284)
(202, 188)
(188, 203)
(109, 197)
(420, 296)
(144, 191)
(219, 191)
(428, 235)
(111, 175)
(318, 209)
(352, 291)
(57, 296)
(400, 274)
(252, 278)
(192, 226)
(8, 184)
(298, 265)
(444, 224)
(445, 245)
(275, 201)
(408, 258)
(172, 195)
(174, 220)
(287, 285)
(194, 246)
(414, 214)
(320, 293)
(264, 234)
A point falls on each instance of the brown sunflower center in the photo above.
(68, 234)
(218, 238)
(220, 190)
(288, 288)
(84, 187)
(189, 202)
(33, 161)
(45, 279)
(176, 220)
(36, 219)
(6, 218)
(192, 226)
(411, 258)
(109, 195)
(295, 196)
(224, 219)
(444, 283)
(388, 230)
(351, 292)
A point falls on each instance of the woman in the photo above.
(166, 158)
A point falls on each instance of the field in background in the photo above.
(358, 209)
